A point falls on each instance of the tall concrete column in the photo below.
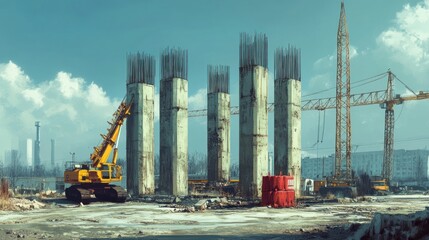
(287, 114)
(218, 124)
(253, 155)
(174, 122)
(140, 125)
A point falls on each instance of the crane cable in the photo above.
(318, 130)
(376, 79)
(323, 129)
(406, 86)
(371, 79)
(320, 139)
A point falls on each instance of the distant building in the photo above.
(7, 158)
(11, 158)
(408, 165)
(26, 152)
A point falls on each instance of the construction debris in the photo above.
(22, 204)
(201, 205)
(400, 226)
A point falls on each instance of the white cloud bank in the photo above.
(198, 100)
(408, 39)
(71, 111)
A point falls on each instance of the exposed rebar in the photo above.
(287, 63)
(140, 68)
(253, 51)
(174, 63)
(218, 79)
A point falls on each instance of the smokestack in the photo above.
(37, 145)
(52, 153)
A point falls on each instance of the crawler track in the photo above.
(103, 192)
(77, 193)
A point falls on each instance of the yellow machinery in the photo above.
(379, 185)
(95, 177)
(340, 186)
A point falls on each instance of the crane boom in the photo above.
(103, 151)
(358, 99)
(95, 177)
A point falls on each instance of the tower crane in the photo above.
(385, 98)
(342, 103)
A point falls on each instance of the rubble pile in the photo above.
(389, 226)
(49, 194)
(25, 204)
(202, 204)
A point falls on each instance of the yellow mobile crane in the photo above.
(95, 177)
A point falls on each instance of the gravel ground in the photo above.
(60, 219)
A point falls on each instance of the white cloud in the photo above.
(70, 110)
(198, 100)
(353, 52)
(34, 96)
(408, 39)
(330, 60)
(318, 84)
(407, 93)
(13, 74)
(69, 87)
(97, 96)
(324, 62)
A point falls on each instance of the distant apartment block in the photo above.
(408, 165)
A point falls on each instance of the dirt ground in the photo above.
(60, 219)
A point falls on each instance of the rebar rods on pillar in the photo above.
(253, 51)
(287, 63)
(174, 63)
(218, 79)
(140, 68)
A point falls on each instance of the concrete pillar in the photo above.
(174, 123)
(218, 125)
(287, 115)
(140, 125)
(253, 155)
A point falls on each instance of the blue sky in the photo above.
(61, 51)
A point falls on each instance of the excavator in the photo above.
(95, 177)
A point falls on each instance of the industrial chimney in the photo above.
(52, 153)
(37, 146)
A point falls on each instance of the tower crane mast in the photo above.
(343, 120)
(389, 126)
